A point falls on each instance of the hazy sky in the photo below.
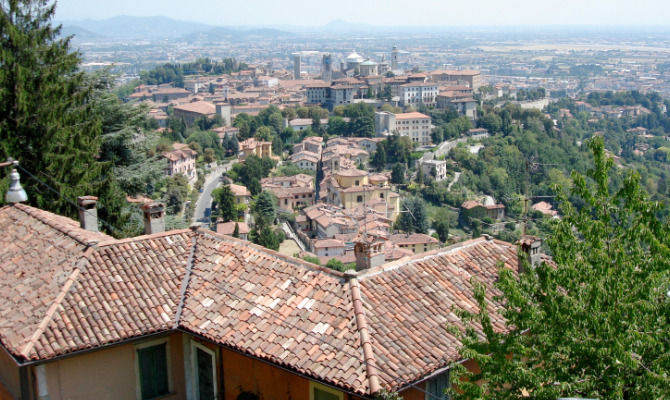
(387, 12)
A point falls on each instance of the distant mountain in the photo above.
(79, 33)
(224, 33)
(138, 27)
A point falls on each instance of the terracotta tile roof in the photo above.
(228, 228)
(304, 317)
(198, 107)
(415, 238)
(36, 257)
(411, 115)
(408, 304)
(239, 190)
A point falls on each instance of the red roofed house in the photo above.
(417, 242)
(191, 314)
(182, 160)
(190, 112)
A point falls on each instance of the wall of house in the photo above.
(10, 383)
(109, 374)
(244, 374)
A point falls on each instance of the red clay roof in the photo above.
(61, 298)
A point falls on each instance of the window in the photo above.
(359, 199)
(205, 372)
(153, 369)
(435, 387)
(318, 391)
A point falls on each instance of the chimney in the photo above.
(529, 249)
(154, 217)
(368, 253)
(88, 213)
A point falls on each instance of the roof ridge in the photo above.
(144, 237)
(422, 257)
(48, 316)
(67, 231)
(362, 325)
(185, 282)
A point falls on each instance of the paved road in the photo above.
(456, 176)
(205, 199)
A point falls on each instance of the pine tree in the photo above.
(48, 119)
(236, 231)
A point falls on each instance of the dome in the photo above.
(369, 63)
(355, 57)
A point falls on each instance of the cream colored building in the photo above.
(351, 188)
(415, 125)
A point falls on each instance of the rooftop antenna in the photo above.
(15, 193)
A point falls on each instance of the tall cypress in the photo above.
(48, 120)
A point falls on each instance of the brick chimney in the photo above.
(368, 252)
(154, 217)
(529, 249)
(88, 213)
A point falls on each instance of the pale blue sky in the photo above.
(374, 12)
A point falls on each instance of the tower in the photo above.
(394, 59)
(327, 67)
(296, 66)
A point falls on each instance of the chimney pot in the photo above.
(88, 213)
(154, 218)
(530, 250)
(368, 252)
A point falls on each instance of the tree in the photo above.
(48, 117)
(441, 223)
(236, 231)
(225, 201)
(176, 193)
(413, 217)
(266, 237)
(264, 133)
(265, 208)
(491, 122)
(379, 159)
(594, 323)
(398, 174)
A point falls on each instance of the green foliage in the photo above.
(176, 193)
(530, 94)
(398, 174)
(441, 222)
(50, 121)
(251, 172)
(266, 237)
(379, 158)
(174, 73)
(206, 140)
(385, 394)
(312, 259)
(265, 208)
(413, 217)
(225, 202)
(289, 169)
(595, 324)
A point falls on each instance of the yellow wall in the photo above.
(9, 377)
(349, 181)
(109, 374)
